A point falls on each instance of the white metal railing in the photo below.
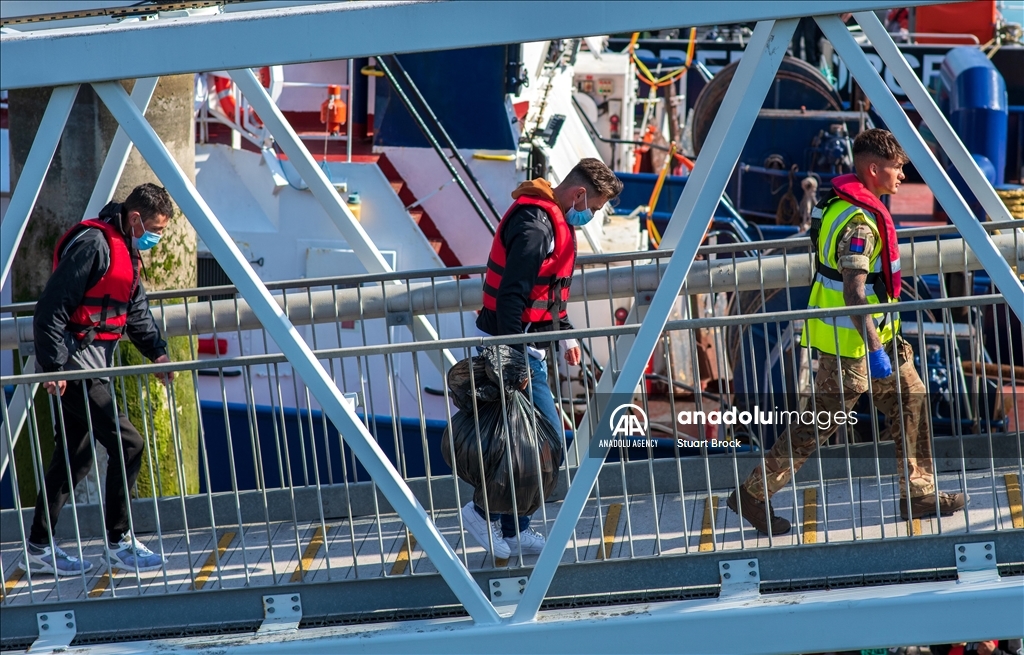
(273, 464)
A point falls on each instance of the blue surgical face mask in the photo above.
(578, 217)
(146, 241)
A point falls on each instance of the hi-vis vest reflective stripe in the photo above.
(552, 287)
(838, 336)
(103, 313)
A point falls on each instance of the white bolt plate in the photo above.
(56, 630)
(976, 562)
(281, 612)
(740, 577)
(506, 591)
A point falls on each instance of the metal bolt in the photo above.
(295, 599)
(295, 608)
(725, 566)
(46, 626)
(753, 574)
(989, 556)
(963, 558)
(750, 563)
(44, 617)
(962, 549)
(988, 546)
(68, 615)
(270, 601)
(496, 583)
(727, 576)
(70, 624)
(497, 593)
(270, 610)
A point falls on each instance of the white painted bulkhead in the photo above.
(289, 231)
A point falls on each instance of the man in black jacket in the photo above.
(93, 297)
(526, 289)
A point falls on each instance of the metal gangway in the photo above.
(348, 551)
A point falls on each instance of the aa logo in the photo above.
(628, 420)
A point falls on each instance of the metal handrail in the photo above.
(508, 340)
(582, 262)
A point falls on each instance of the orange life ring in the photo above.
(224, 89)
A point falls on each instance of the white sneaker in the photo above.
(532, 542)
(129, 553)
(43, 559)
(479, 529)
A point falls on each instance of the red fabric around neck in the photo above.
(853, 191)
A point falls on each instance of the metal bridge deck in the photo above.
(365, 547)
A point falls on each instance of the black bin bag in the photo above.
(516, 444)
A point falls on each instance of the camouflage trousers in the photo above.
(838, 385)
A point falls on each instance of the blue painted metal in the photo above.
(776, 624)
(299, 33)
(973, 96)
(457, 84)
(30, 182)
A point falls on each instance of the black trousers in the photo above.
(106, 423)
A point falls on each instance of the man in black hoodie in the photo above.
(526, 289)
(93, 297)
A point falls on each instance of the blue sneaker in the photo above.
(128, 553)
(41, 559)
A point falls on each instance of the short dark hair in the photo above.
(878, 143)
(593, 174)
(149, 200)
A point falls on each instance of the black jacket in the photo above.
(528, 237)
(80, 268)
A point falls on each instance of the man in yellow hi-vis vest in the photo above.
(858, 263)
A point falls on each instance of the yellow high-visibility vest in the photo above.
(838, 336)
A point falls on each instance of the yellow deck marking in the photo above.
(13, 580)
(500, 562)
(211, 561)
(1013, 493)
(307, 557)
(810, 516)
(101, 585)
(611, 525)
(404, 555)
(707, 537)
(914, 528)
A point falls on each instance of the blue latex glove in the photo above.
(879, 364)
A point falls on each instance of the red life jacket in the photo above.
(551, 290)
(103, 313)
(853, 191)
